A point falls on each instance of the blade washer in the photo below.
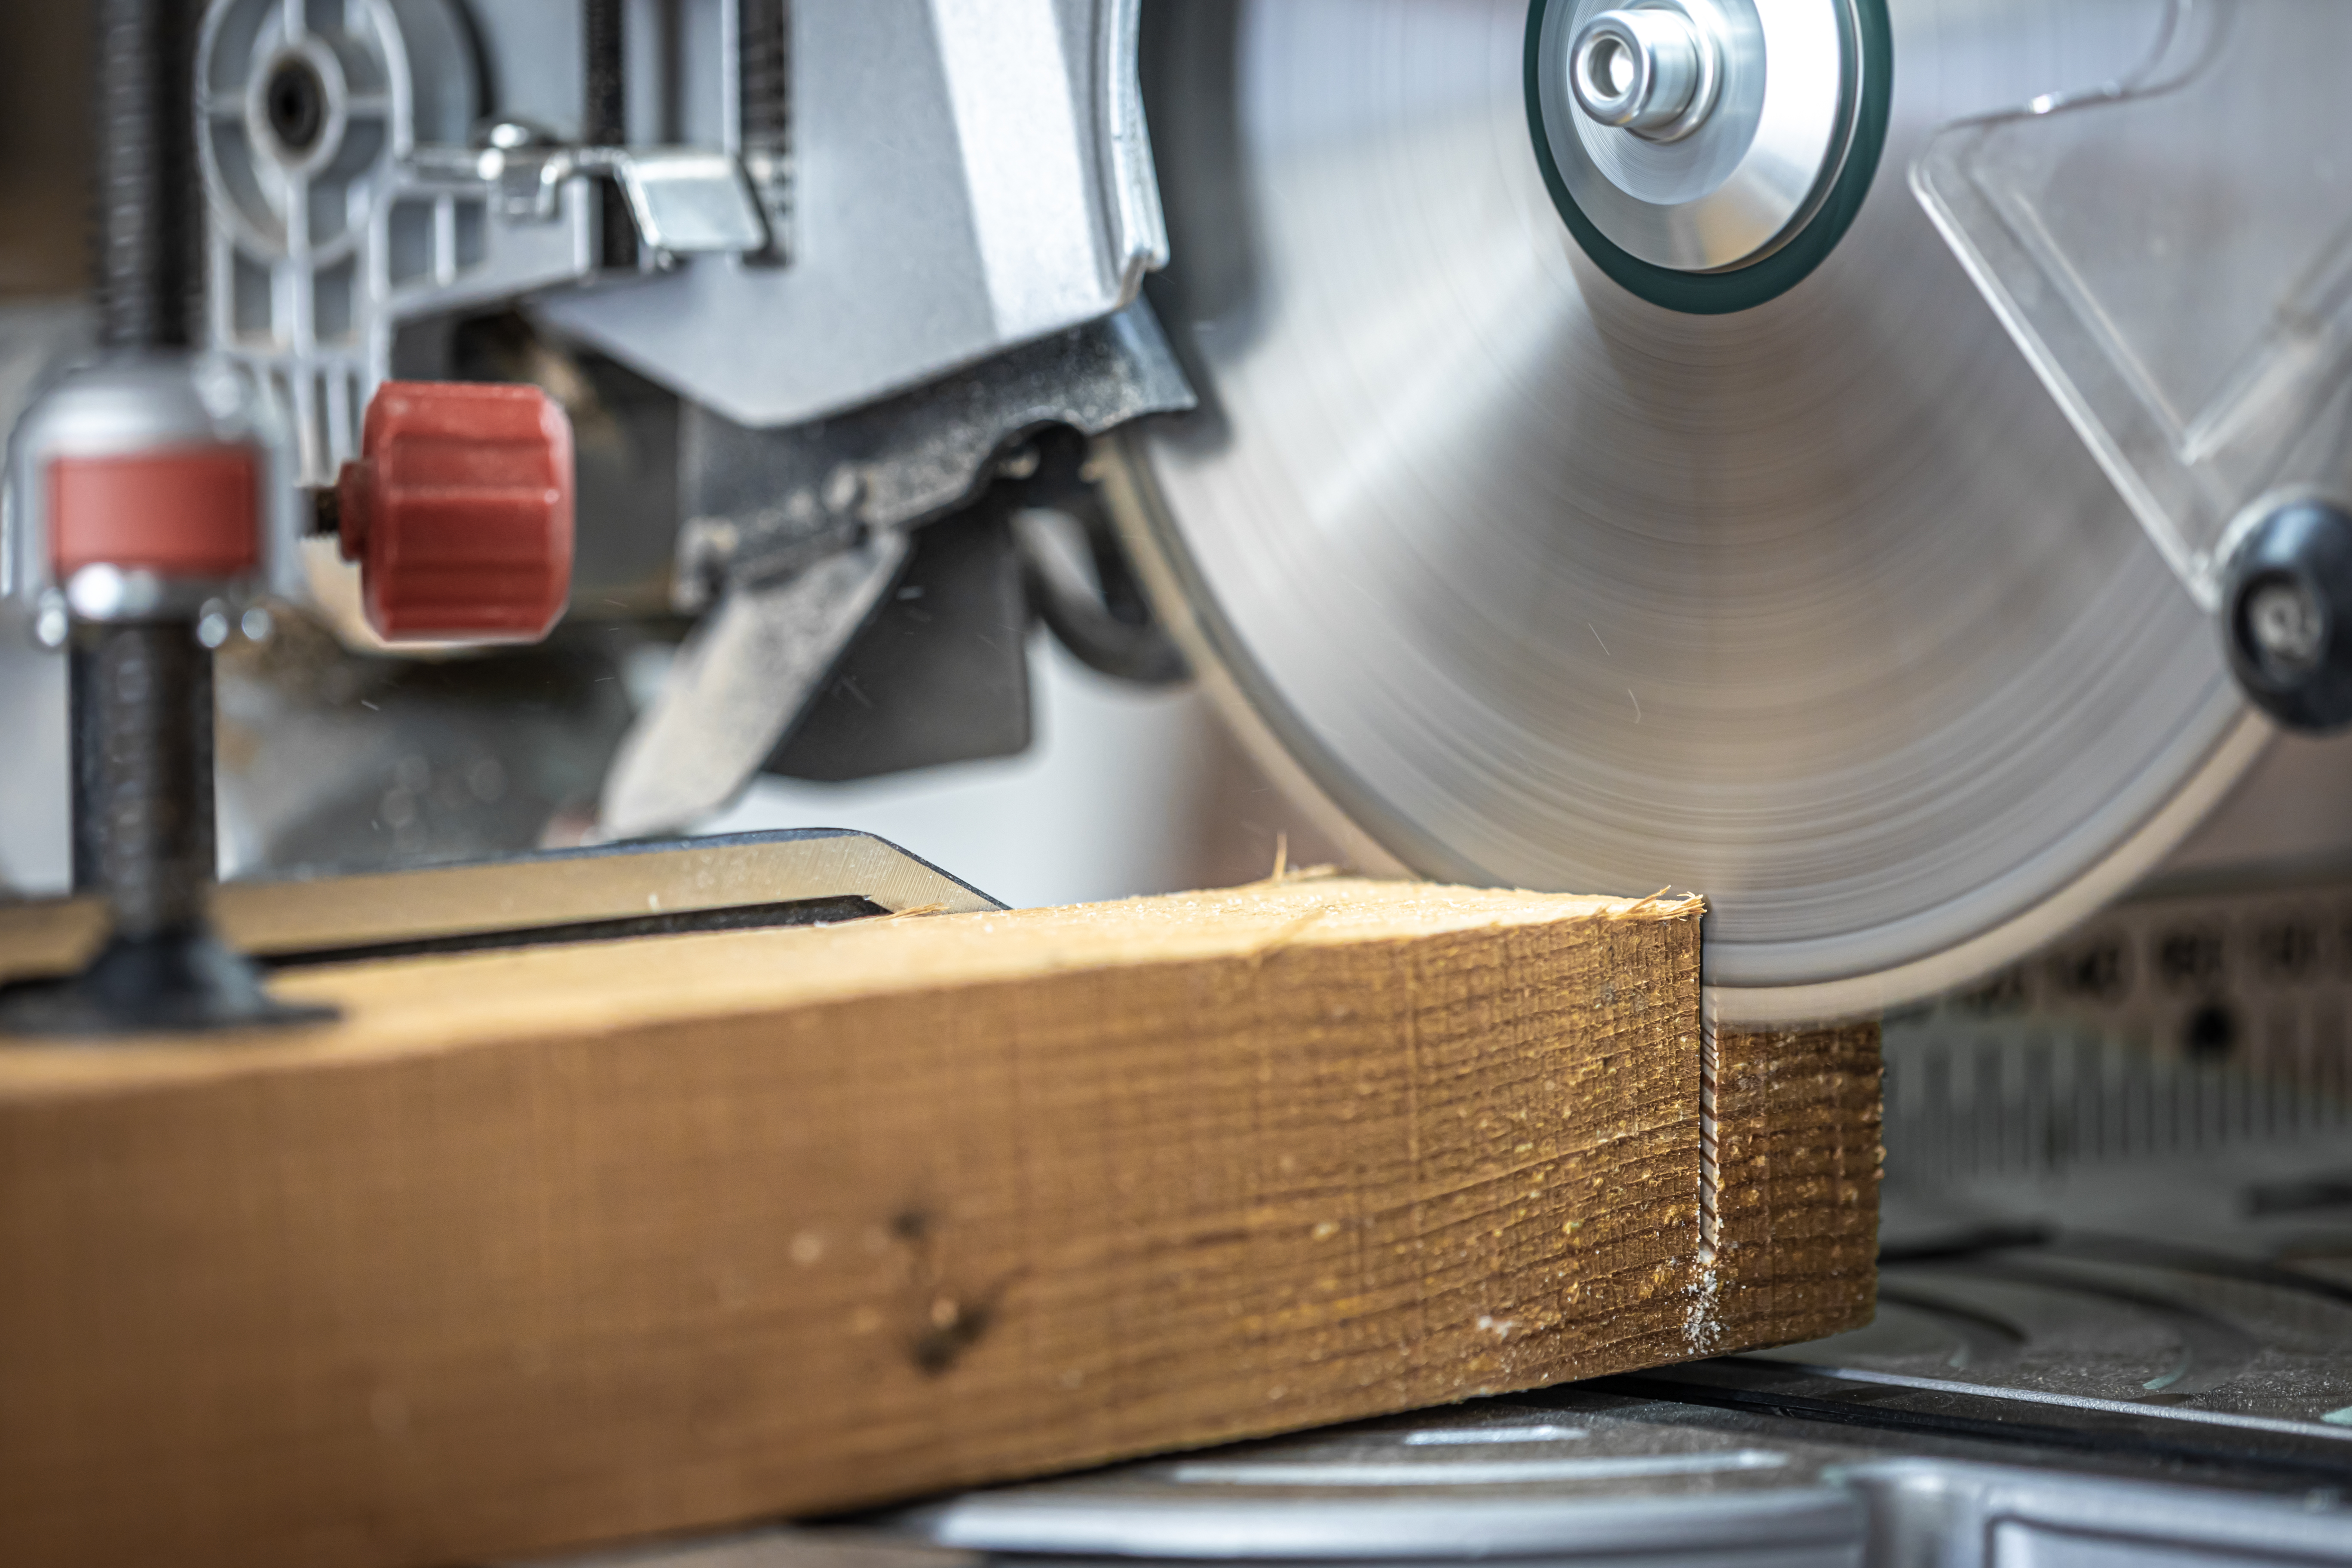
(1737, 195)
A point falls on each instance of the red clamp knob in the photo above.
(459, 511)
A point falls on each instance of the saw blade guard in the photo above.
(2173, 253)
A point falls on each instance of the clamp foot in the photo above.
(173, 981)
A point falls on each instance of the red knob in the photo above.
(459, 511)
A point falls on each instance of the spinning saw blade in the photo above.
(1557, 567)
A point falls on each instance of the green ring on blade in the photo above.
(1742, 288)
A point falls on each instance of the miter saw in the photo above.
(1606, 474)
(1559, 433)
(1876, 462)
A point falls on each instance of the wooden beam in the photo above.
(541, 1248)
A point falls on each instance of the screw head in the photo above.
(294, 101)
(2284, 623)
(2287, 595)
(50, 620)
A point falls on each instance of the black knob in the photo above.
(2286, 616)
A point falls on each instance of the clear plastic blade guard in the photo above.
(2174, 255)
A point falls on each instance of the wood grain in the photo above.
(1798, 1158)
(543, 1248)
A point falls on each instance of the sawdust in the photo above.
(1284, 871)
(1658, 907)
(1703, 1326)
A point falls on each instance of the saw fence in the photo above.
(554, 1246)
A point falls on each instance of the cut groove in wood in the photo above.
(543, 1248)
(1710, 1152)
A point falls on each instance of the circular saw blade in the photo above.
(1819, 608)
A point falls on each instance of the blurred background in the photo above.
(334, 759)
(337, 759)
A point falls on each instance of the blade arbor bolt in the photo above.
(1647, 69)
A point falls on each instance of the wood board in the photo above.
(543, 1248)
